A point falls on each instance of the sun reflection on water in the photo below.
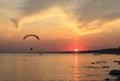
(76, 67)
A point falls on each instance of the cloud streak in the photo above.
(87, 13)
(31, 7)
(91, 10)
(92, 15)
(15, 22)
(10, 12)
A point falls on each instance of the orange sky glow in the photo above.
(60, 26)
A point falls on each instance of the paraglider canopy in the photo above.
(31, 35)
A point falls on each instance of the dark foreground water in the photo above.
(56, 67)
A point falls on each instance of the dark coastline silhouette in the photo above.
(95, 52)
(103, 51)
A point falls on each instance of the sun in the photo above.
(76, 50)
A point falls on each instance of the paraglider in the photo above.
(31, 35)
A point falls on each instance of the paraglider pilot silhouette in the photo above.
(31, 35)
(31, 49)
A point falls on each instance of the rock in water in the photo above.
(114, 72)
(107, 79)
(106, 67)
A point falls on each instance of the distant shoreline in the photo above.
(100, 51)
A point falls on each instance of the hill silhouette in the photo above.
(103, 51)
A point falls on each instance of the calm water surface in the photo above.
(55, 67)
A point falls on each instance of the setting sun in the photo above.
(76, 50)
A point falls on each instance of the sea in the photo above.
(57, 66)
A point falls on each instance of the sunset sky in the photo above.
(62, 25)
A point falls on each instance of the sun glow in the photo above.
(76, 50)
